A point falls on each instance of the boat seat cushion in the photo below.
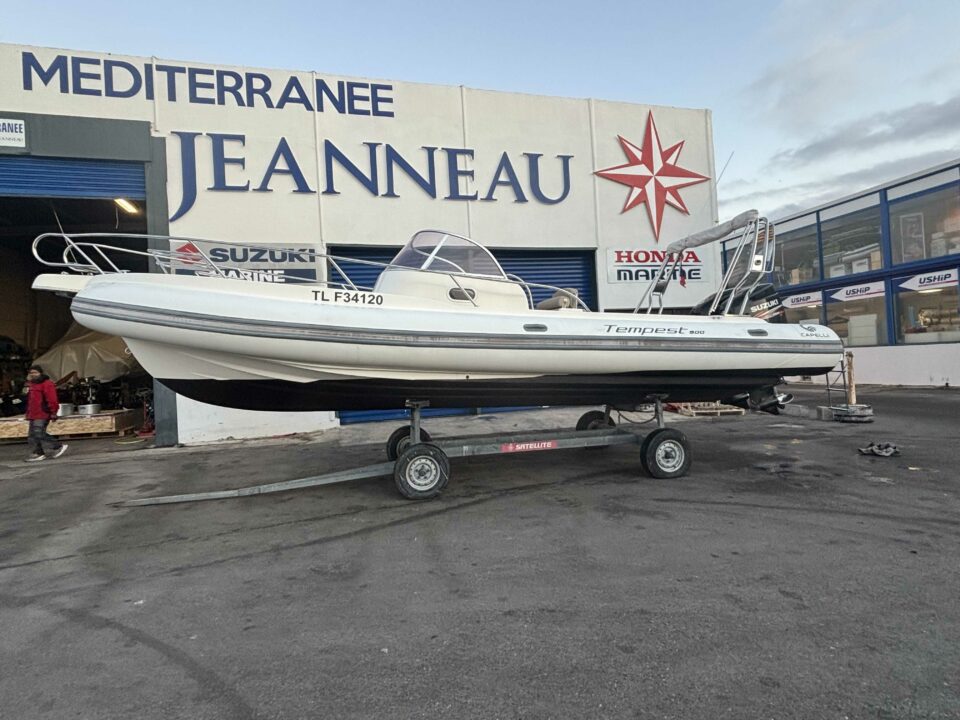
(559, 300)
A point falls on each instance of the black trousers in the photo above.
(40, 441)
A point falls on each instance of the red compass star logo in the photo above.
(652, 173)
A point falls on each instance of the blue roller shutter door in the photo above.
(560, 268)
(28, 176)
(565, 268)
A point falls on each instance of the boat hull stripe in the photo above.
(363, 336)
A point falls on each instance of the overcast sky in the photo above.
(815, 99)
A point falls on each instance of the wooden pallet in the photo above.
(110, 423)
(705, 409)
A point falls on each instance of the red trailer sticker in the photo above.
(528, 446)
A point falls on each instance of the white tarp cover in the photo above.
(89, 354)
(709, 235)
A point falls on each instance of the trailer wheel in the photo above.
(421, 472)
(400, 440)
(594, 420)
(665, 453)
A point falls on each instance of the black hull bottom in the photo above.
(378, 394)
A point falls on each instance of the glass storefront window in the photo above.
(851, 243)
(858, 314)
(928, 308)
(926, 227)
(797, 260)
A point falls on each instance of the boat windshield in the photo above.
(442, 252)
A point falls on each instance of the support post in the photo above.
(658, 412)
(851, 384)
(415, 407)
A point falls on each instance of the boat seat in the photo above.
(559, 300)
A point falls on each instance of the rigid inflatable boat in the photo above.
(444, 324)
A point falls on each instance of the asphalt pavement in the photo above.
(787, 576)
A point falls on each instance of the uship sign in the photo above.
(856, 292)
(930, 281)
(802, 301)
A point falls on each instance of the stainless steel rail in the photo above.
(82, 253)
(756, 233)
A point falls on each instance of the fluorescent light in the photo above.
(127, 206)
(931, 290)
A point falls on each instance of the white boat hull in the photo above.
(294, 347)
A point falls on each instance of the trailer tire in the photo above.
(665, 454)
(594, 420)
(421, 472)
(400, 440)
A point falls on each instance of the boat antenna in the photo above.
(56, 217)
(720, 176)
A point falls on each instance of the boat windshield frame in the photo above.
(427, 258)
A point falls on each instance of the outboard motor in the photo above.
(766, 400)
(762, 302)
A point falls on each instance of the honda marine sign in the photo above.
(633, 266)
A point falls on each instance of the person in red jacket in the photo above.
(42, 407)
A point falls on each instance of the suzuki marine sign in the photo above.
(306, 158)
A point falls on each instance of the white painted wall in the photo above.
(912, 365)
(198, 422)
(908, 364)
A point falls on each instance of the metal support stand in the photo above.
(415, 406)
(658, 412)
(848, 410)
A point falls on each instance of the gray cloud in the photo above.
(826, 59)
(789, 199)
(921, 121)
(796, 93)
(945, 72)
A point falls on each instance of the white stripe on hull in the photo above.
(198, 328)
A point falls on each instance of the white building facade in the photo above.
(568, 188)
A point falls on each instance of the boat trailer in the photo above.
(420, 465)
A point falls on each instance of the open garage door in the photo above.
(42, 195)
